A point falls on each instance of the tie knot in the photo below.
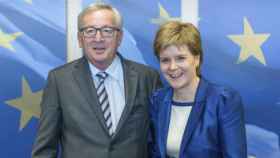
(102, 75)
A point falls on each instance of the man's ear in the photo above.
(120, 37)
(80, 39)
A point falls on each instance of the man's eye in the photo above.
(107, 30)
(90, 31)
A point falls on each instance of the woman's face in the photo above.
(178, 66)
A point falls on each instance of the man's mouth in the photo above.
(99, 49)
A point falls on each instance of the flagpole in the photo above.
(189, 11)
(73, 8)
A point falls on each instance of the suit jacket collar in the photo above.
(130, 86)
(195, 116)
(82, 75)
(114, 70)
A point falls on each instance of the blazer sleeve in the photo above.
(48, 134)
(232, 126)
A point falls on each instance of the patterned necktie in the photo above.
(104, 101)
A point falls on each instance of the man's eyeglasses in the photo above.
(105, 31)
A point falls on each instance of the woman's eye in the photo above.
(164, 60)
(181, 58)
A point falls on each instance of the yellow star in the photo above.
(250, 43)
(28, 104)
(163, 16)
(6, 39)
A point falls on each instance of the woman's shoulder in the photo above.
(223, 95)
(221, 90)
(159, 97)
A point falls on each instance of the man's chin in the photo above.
(100, 52)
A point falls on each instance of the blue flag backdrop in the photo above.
(240, 50)
(32, 41)
(240, 40)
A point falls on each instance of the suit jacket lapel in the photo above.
(196, 113)
(130, 86)
(164, 117)
(84, 79)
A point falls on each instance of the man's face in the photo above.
(100, 50)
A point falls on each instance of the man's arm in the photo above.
(48, 134)
(156, 81)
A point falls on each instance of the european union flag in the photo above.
(240, 40)
(32, 41)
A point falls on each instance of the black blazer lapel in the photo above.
(130, 86)
(196, 113)
(84, 79)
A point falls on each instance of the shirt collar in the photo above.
(114, 70)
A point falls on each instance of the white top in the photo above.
(114, 85)
(178, 121)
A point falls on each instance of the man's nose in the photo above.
(98, 36)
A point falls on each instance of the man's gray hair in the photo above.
(100, 6)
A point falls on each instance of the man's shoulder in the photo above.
(141, 68)
(67, 67)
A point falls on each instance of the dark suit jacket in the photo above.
(215, 128)
(72, 120)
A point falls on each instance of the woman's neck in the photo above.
(186, 94)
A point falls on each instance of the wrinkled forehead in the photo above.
(95, 15)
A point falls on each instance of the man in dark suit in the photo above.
(96, 106)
